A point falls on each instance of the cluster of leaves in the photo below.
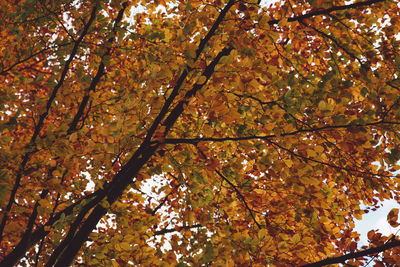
(261, 125)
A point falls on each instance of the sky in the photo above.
(376, 220)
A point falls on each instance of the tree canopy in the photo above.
(197, 133)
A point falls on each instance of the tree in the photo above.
(259, 129)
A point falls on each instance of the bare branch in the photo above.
(354, 255)
(184, 74)
(99, 74)
(240, 196)
(327, 11)
(42, 117)
(171, 230)
(266, 137)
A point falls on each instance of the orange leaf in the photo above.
(392, 217)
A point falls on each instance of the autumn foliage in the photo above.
(197, 133)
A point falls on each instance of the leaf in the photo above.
(371, 234)
(114, 263)
(226, 60)
(263, 22)
(125, 246)
(392, 217)
(262, 233)
(288, 163)
(4, 188)
(283, 22)
(202, 80)
(223, 133)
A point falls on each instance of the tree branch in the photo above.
(327, 11)
(177, 111)
(164, 200)
(171, 230)
(240, 196)
(100, 71)
(71, 232)
(336, 42)
(354, 255)
(236, 190)
(141, 156)
(42, 117)
(329, 164)
(184, 74)
(26, 243)
(4, 71)
(266, 137)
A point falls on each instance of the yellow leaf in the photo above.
(326, 106)
(100, 256)
(226, 60)
(129, 238)
(191, 53)
(325, 220)
(110, 139)
(284, 237)
(357, 215)
(319, 149)
(43, 202)
(283, 246)
(114, 263)
(262, 233)
(202, 80)
(288, 162)
(254, 83)
(125, 246)
(282, 22)
(191, 217)
(73, 137)
(300, 189)
(263, 22)
(296, 238)
(311, 153)
(94, 261)
(336, 230)
(52, 163)
(269, 126)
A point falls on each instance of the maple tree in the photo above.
(257, 127)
